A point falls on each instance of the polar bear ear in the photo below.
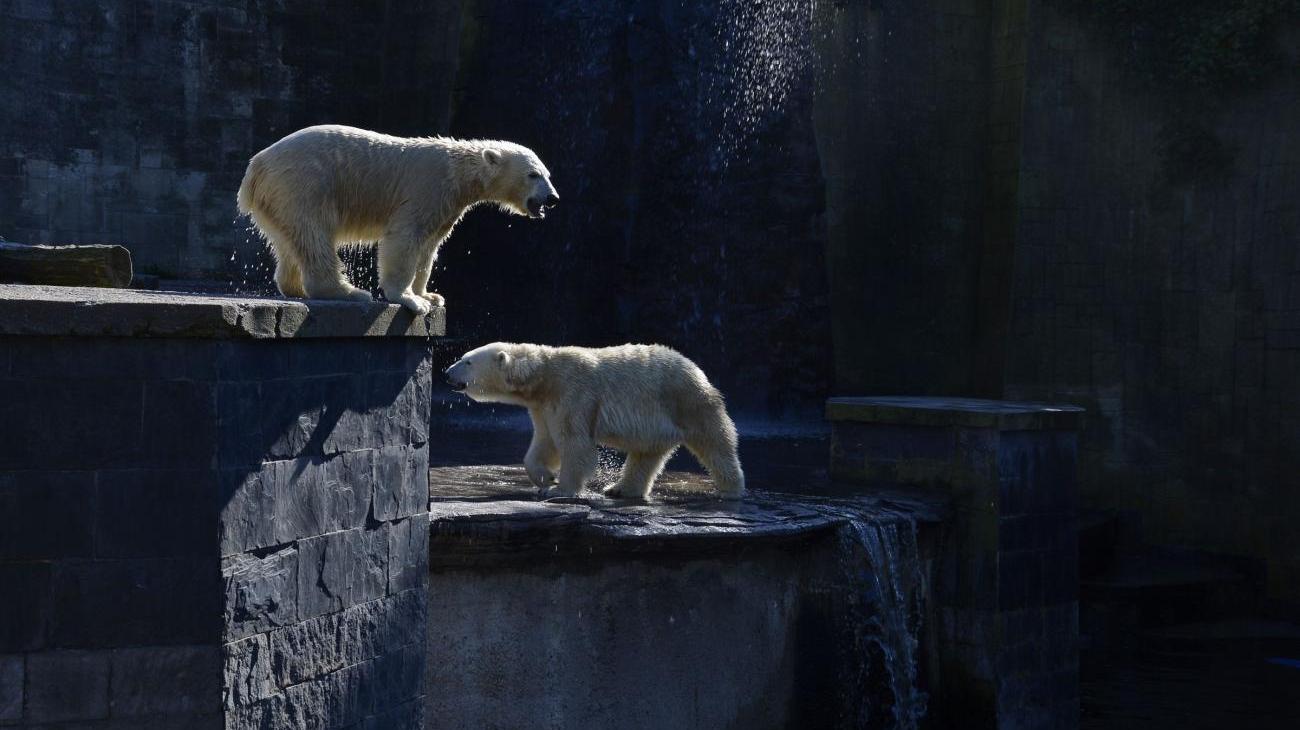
(518, 370)
(492, 157)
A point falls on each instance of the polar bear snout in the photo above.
(456, 376)
(537, 205)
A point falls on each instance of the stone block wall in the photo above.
(1157, 280)
(690, 195)
(902, 123)
(132, 122)
(323, 490)
(210, 530)
(778, 612)
(1023, 206)
(1006, 586)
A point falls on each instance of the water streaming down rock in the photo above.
(881, 558)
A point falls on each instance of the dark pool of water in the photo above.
(1216, 676)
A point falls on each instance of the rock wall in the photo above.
(901, 114)
(1082, 202)
(687, 613)
(1155, 268)
(1006, 585)
(1000, 198)
(210, 523)
(323, 533)
(691, 214)
(132, 122)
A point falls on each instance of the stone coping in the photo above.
(481, 513)
(965, 412)
(39, 310)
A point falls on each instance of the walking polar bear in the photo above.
(645, 400)
(323, 187)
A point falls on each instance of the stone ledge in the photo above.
(36, 310)
(488, 513)
(964, 412)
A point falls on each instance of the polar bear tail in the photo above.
(248, 188)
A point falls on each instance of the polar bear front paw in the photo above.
(434, 299)
(558, 492)
(418, 305)
(620, 491)
(359, 295)
(539, 475)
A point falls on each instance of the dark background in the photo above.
(1088, 202)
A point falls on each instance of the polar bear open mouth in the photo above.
(536, 208)
(457, 386)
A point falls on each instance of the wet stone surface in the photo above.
(802, 611)
(494, 509)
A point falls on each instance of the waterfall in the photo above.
(880, 557)
(898, 582)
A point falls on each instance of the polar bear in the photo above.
(645, 400)
(328, 186)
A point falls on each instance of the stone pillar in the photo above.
(213, 510)
(1006, 592)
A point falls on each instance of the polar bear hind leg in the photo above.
(713, 443)
(639, 474)
(322, 271)
(288, 274)
(288, 277)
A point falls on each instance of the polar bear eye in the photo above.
(534, 176)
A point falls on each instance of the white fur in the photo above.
(324, 187)
(645, 400)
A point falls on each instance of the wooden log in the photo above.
(96, 265)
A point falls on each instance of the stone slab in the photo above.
(960, 412)
(92, 265)
(90, 311)
(482, 511)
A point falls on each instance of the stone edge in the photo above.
(1060, 418)
(207, 319)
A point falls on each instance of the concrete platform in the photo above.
(686, 612)
(92, 311)
(213, 510)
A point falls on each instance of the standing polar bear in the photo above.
(323, 187)
(645, 400)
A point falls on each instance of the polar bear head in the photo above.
(501, 372)
(517, 180)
